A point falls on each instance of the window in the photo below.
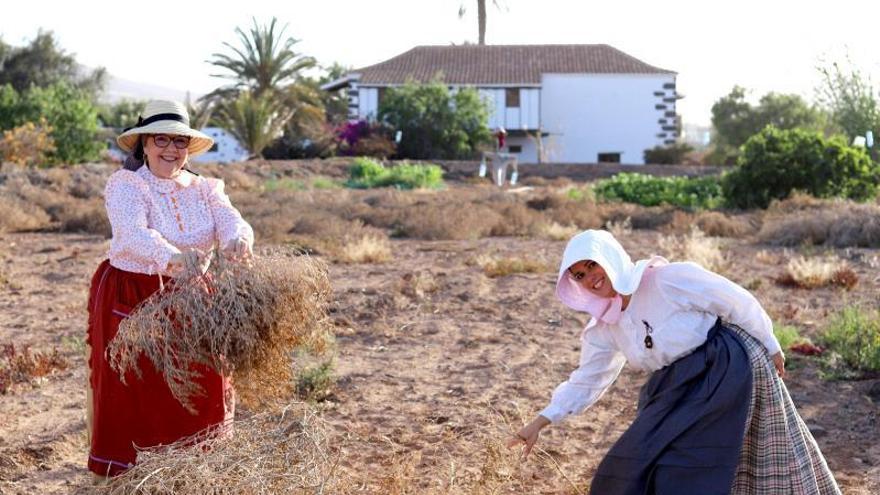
(609, 157)
(214, 147)
(511, 97)
(514, 149)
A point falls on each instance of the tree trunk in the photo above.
(481, 20)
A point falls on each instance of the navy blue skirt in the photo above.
(689, 429)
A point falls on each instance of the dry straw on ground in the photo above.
(494, 266)
(286, 452)
(241, 318)
(811, 273)
(368, 249)
(804, 220)
(556, 232)
(696, 247)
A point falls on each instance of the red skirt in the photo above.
(142, 413)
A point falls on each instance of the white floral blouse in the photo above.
(153, 218)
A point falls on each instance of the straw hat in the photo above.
(165, 117)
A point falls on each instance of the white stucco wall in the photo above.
(525, 117)
(228, 148)
(588, 114)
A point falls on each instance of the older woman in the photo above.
(715, 416)
(163, 218)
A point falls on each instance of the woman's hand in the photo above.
(190, 259)
(238, 249)
(528, 435)
(779, 363)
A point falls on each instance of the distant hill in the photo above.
(123, 89)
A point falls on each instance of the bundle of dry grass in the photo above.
(243, 319)
(288, 452)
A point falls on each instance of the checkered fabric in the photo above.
(779, 455)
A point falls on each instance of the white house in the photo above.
(226, 147)
(578, 103)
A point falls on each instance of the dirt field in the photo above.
(433, 358)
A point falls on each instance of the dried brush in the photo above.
(239, 319)
(289, 452)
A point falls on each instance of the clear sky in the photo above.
(764, 45)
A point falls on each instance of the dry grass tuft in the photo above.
(24, 366)
(621, 228)
(241, 319)
(766, 257)
(447, 221)
(368, 249)
(557, 232)
(19, 216)
(84, 216)
(495, 267)
(416, 285)
(837, 223)
(696, 247)
(811, 273)
(286, 452)
(717, 224)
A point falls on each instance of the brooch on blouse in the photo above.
(649, 342)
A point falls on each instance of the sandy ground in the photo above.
(433, 360)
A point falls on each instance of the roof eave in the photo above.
(342, 82)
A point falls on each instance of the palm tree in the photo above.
(199, 112)
(268, 87)
(265, 61)
(481, 17)
(255, 120)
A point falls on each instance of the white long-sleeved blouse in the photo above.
(677, 304)
(153, 218)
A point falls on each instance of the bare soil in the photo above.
(436, 363)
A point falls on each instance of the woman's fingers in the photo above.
(779, 363)
(527, 441)
(528, 448)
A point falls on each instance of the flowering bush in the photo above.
(28, 144)
(362, 138)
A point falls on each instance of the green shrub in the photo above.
(325, 183)
(366, 173)
(315, 383)
(788, 335)
(854, 334)
(435, 123)
(67, 110)
(285, 184)
(668, 155)
(646, 190)
(774, 163)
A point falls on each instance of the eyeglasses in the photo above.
(163, 140)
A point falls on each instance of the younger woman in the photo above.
(715, 416)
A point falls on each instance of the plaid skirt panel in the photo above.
(779, 454)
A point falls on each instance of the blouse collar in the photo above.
(183, 180)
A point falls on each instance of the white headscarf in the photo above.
(600, 246)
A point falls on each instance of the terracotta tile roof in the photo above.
(502, 64)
